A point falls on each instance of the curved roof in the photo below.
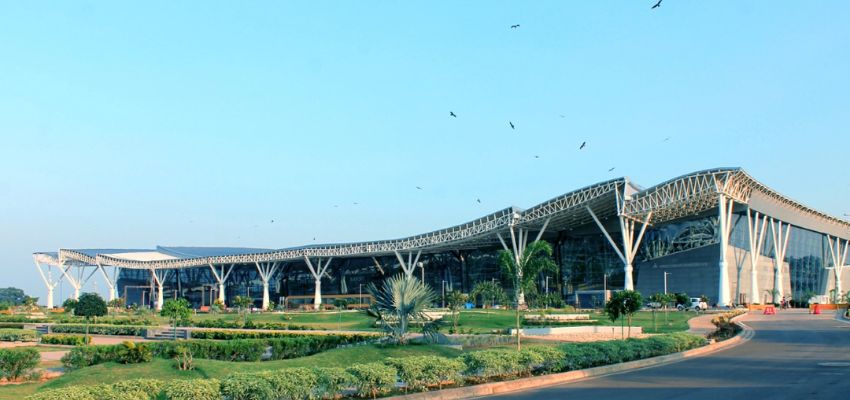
(681, 196)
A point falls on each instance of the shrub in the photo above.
(151, 386)
(184, 359)
(132, 353)
(422, 372)
(17, 335)
(552, 359)
(69, 340)
(68, 393)
(193, 389)
(11, 325)
(291, 383)
(112, 330)
(490, 364)
(16, 363)
(244, 386)
(331, 381)
(372, 379)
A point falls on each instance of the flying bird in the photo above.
(336, 205)
(419, 187)
(452, 114)
(667, 138)
(511, 124)
(514, 26)
(658, 4)
(272, 221)
(562, 115)
(314, 238)
(612, 168)
(536, 156)
(582, 145)
(478, 200)
(356, 203)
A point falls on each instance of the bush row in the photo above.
(70, 340)
(11, 325)
(235, 324)
(414, 373)
(21, 318)
(229, 350)
(233, 334)
(138, 389)
(131, 320)
(17, 335)
(116, 330)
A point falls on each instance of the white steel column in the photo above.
(839, 260)
(48, 281)
(111, 283)
(221, 278)
(519, 241)
(75, 282)
(159, 277)
(756, 236)
(725, 216)
(317, 275)
(410, 266)
(630, 245)
(266, 271)
(780, 245)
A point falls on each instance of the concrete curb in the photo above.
(494, 388)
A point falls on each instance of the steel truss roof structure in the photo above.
(686, 195)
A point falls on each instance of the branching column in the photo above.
(266, 271)
(110, 282)
(48, 281)
(756, 236)
(725, 216)
(780, 245)
(519, 241)
(839, 259)
(317, 275)
(411, 263)
(630, 245)
(220, 278)
(76, 282)
(159, 277)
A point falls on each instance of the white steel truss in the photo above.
(220, 278)
(780, 245)
(266, 271)
(725, 206)
(756, 242)
(317, 275)
(48, 280)
(838, 254)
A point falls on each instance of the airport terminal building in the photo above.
(717, 232)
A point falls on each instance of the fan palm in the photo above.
(523, 271)
(398, 302)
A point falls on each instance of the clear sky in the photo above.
(197, 123)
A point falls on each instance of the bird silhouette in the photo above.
(514, 26)
(667, 138)
(478, 200)
(511, 124)
(562, 115)
(336, 205)
(314, 238)
(452, 114)
(355, 203)
(612, 168)
(419, 187)
(536, 156)
(582, 145)
(272, 222)
(658, 4)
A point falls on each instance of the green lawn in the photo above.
(164, 369)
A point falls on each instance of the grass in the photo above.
(164, 369)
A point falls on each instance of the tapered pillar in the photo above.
(725, 218)
(780, 245)
(266, 271)
(317, 272)
(756, 236)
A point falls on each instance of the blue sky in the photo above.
(190, 123)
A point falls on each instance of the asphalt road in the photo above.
(793, 355)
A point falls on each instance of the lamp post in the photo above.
(443, 287)
(547, 291)
(665, 281)
(360, 293)
(605, 287)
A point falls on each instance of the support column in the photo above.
(519, 241)
(839, 260)
(221, 278)
(411, 263)
(159, 277)
(266, 271)
(75, 283)
(780, 245)
(630, 244)
(111, 283)
(725, 216)
(48, 280)
(756, 236)
(317, 275)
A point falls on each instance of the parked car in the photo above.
(696, 304)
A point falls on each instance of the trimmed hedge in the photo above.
(16, 363)
(21, 318)
(112, 330)
(194, 389)
(228, 350)
(17, 335)
(222, 323)
(422, 372)
(372, 379)
(224, 334)
(11, 325)
(70, 340)
(134, 389)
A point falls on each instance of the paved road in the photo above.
(787, 359)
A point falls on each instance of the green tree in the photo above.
(455, 300)
(243, 305)
(490, 293)
(69, 304)
(89, 305)
(522, 272)
(12, 295)
(623, 305)
(399, 301)
(176, 310)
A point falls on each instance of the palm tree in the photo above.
(522, 271)
(399, 301)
